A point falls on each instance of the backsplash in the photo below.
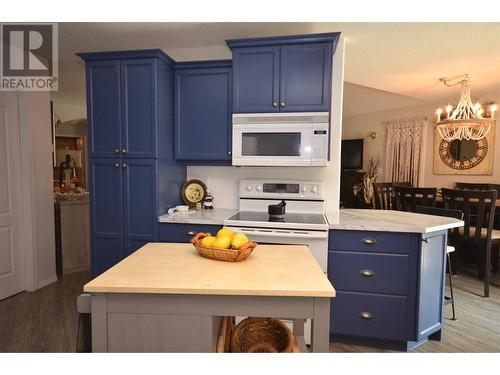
(223, 181)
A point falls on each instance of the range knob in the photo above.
(258, 188)
(303, 189)
(315, 189)
(249, 187)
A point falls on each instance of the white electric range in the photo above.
(304, 222)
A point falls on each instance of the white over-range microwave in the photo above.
(281, 139)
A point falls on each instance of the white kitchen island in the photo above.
(165, 297)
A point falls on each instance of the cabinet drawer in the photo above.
(183, 232)
(368, 315)
(361, 272)
(378, 242)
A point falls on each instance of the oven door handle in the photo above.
(283, 233)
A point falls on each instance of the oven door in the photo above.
(316, 240)
(272, 144)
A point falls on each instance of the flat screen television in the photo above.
(351, 156)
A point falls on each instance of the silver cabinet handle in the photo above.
(116, 165)
(369, 241)
(275, 104)
(282, 104)
(367, 273)
(124, 151)
(366, 315)
(190, 233)
(124, 165)
(117, 151)
(426, 240)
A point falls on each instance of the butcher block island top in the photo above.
(173, 268)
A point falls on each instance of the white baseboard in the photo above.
(48, 281)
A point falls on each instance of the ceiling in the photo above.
(387, 65)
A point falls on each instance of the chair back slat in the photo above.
(408, 198)
(472, 186)
(382, 196)
(478, 207)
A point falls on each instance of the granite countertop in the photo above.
(215, 216)
(389, 221)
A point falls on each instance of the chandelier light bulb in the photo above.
(493, 109)
(448, 109)
(438, 113)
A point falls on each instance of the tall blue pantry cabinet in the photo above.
(132, 169)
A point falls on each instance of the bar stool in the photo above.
(83, 306)
(457, 214)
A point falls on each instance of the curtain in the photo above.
(404, 149)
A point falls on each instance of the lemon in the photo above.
(208, 241)
(225, 232)
(238, 240)
(222, 242)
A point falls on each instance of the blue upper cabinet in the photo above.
(256, 79)
(139, 108)
(305, 77)
(126, 112)
(203, 112)
(103, 91)
(283, 74)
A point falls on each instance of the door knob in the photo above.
(282, 104)
(229, 152)
(275, 104)
(124, 151)
(116, 165)
(124, 165)
(117, 151)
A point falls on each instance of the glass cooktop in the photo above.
(295, 218)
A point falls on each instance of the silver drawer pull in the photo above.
(369, 241)
(366, 315)
(190, 233)
(367, 273)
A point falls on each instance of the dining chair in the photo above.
(457, 214)
(477, 233)
(383, 195)
(408, 198)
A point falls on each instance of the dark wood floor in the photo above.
(45, 320)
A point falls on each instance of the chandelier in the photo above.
(466, 120)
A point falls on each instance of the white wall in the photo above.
(68, 112)
(36, 151)
(223, 181)
(360, 126)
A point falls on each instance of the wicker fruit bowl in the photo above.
(227, 255)
(263, 335)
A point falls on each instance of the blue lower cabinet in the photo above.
(389, 286)
(106, 213)
(139, 202)
(182, 233)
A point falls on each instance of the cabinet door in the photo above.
(139, 203)
(139, 108)
(103, 108)
(305, 77)
(203, 114)
(105, 213)
(256, 79)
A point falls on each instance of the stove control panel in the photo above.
(313, 190)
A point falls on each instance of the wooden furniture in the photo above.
(283, 74)
(349, 178)
(457, 214)
(484, 186)
(167, 298)
(407, 198)
(203, 107)
(390, 285)
(477, 233)
(383, 195)
(132, 172)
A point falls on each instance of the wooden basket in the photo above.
(225, 333)
(227, 255)
(263, 335)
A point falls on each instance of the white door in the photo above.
(12, 278)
